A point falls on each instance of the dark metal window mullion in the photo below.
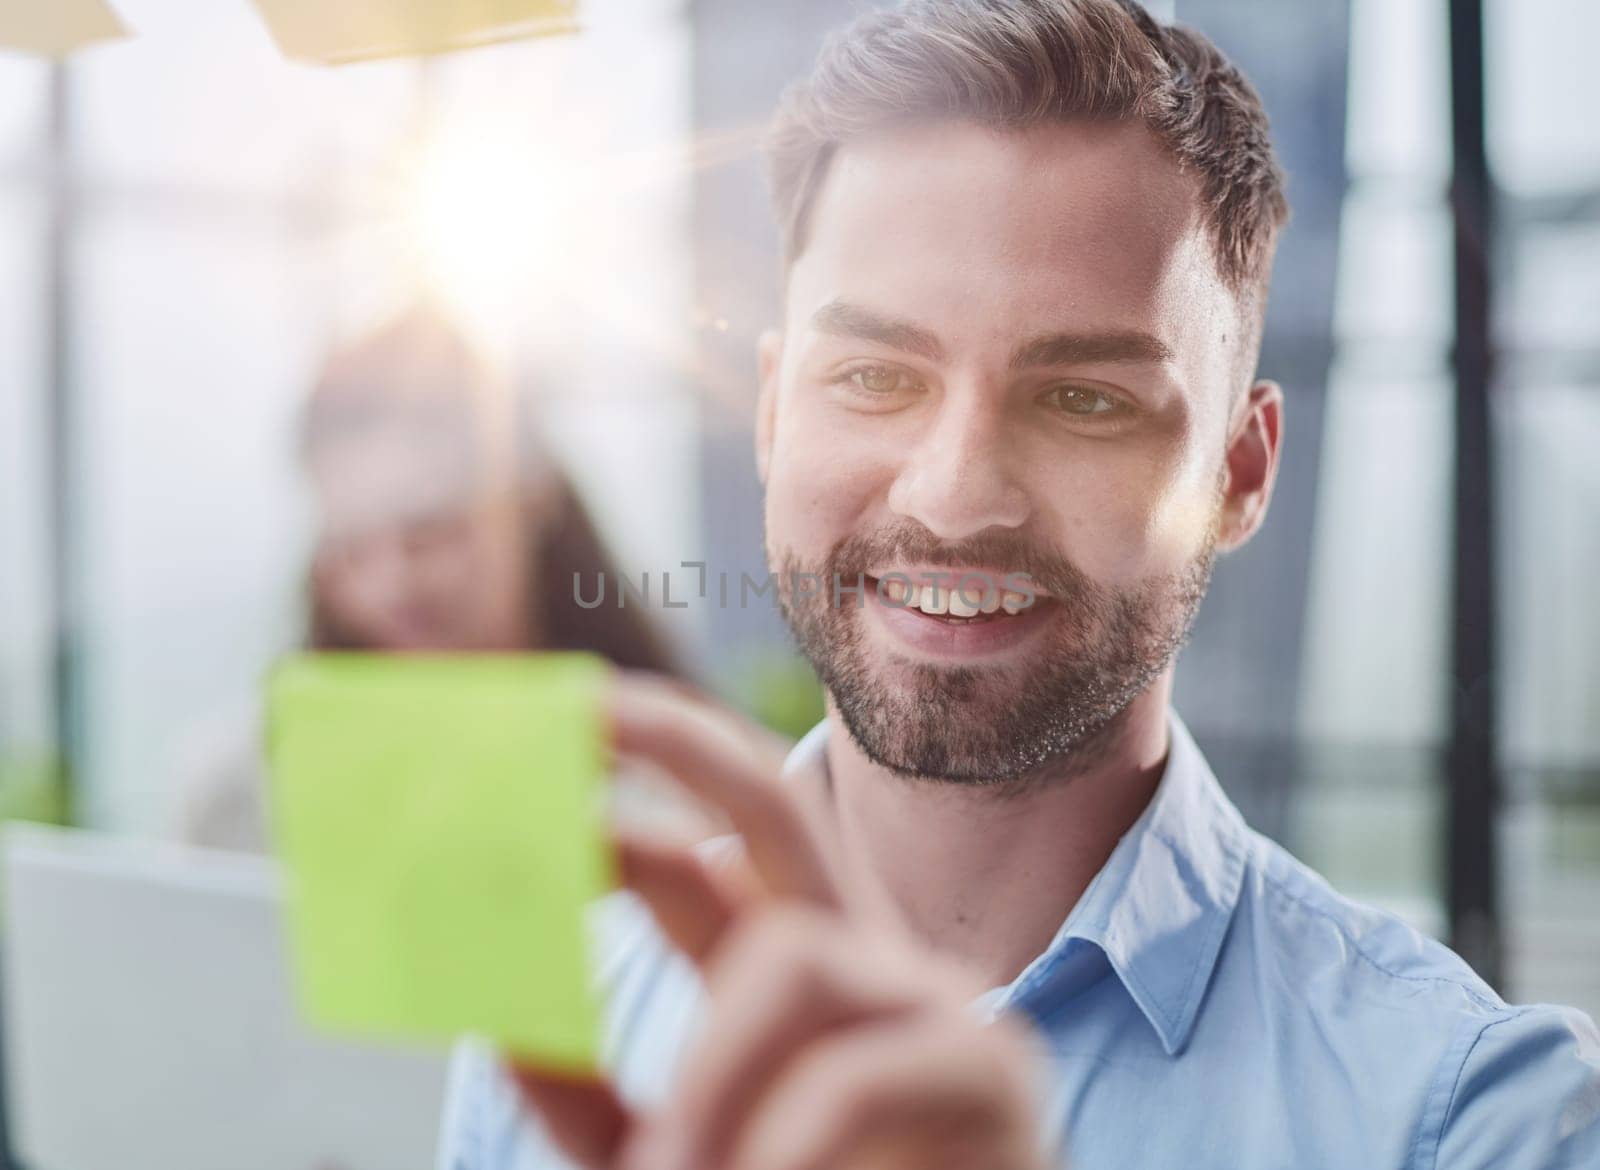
(1472, 759)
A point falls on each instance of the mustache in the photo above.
(1009, 551)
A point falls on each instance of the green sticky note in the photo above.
(440, 821)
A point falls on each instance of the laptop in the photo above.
(150, 1022)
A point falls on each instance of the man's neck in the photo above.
(988, 876)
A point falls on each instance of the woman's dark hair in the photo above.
(420, 374)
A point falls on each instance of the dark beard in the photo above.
(973, 725)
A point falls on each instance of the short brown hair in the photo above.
(1016, 63)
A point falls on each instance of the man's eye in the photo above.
(880, 381)
(1082, 400)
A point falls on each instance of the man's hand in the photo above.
(833, 1040)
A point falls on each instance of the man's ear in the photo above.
(1251, 465)
(769, 357)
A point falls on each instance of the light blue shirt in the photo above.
(1208, 1003)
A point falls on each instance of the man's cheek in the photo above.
(1181, 516)
(822, 487)
(797, 512)
(1135, 516)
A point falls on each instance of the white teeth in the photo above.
(961, 607)
(941, 597)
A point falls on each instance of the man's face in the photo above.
(1008, 353)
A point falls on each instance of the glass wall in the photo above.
(189, 225)
(1544, 150)
(1373, 712)
(227, 219)
(1376, 701)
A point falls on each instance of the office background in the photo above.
(1400, 678)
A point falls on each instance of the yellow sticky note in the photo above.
(361, 30)
(441, 824)
(53, 28)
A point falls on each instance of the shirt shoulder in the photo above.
(1526, 1096)
(1314, 928)
(1486, 1083)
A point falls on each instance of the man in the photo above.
(997, 913)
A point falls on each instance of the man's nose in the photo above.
(959, 478)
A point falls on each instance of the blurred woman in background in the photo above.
(444, 526)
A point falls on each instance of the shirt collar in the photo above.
(1159, 906)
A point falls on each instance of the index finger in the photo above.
(732, 766)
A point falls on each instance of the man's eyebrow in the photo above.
(1071, 349)
(844, 319)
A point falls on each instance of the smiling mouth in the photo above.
(953, 606)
